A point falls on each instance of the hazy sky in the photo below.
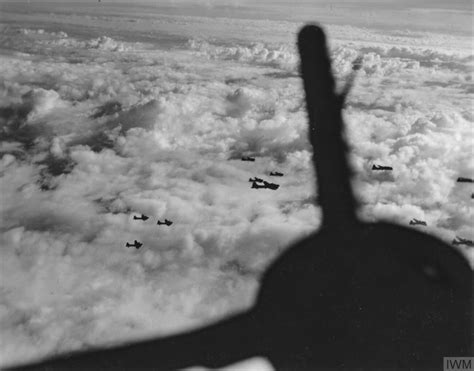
(422, 15)
(443, 4)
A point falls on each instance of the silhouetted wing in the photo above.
(215, 346)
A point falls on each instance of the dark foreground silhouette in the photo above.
(352, 295)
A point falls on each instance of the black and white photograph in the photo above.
(236, 185)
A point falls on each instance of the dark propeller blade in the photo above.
(326, 129)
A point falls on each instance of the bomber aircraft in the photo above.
(462, 241)
(276, 173)
(135, 244)
(265, 185)
(417, 222)
(465, 180)
(271, 186)
(248, 158)
(142, 217)
(255, 185)
(381, 167)
(166, 222)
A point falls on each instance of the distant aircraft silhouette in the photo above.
(255, 185)
(417, 222)
(166, 222)
(135, 244)
(271, 186)
(276, 173)
(247, 158)
(255, 179)
(380, 167)
(265, 185)
(465, 180)
(142, 217)
(463, 241)
(353, 295)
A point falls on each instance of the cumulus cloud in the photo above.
(255, 53)
(98, 128)
(62, 40)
